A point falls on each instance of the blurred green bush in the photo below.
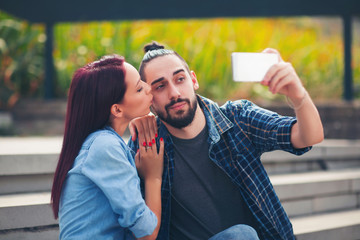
(312, 45)
(21, 60)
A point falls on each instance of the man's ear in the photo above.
(116, 110)
(194, 80)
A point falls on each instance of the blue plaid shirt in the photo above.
(239, 132)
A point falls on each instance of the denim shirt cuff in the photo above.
(145, 224)
(284, 138)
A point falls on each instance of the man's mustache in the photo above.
(167, 106)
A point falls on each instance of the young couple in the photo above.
(199, 164)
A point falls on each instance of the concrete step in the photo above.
(318, 192)
(27, 216)
(25, 211)
(300, 194)
(332, 226)
(36, 233)
(25, 183)
(331, 154)
(27, 164)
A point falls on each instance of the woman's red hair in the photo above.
(93, 90)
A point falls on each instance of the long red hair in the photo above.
(93, 90)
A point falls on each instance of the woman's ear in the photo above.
(116, 110)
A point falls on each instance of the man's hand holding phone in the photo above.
(269, 69)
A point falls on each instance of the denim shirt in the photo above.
(239, 132)
(101, 197)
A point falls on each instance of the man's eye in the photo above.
(140, 89)
(159, 87)
(180, 79)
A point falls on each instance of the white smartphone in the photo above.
(251, 67)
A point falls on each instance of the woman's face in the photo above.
(137, 99)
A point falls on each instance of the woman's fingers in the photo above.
(136, 128)
(161, 149)
(149, 130)
(154, 126)
(143, 133)
(144, 128)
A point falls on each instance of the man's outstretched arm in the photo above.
(282, 78)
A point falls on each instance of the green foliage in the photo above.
(312, 45)
(21, 60)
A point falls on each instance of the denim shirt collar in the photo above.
(109, 128)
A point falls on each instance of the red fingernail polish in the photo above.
(153, 141)
(150, 144)
(137, 151)
(144, 144)
(161, 139)
(156, 135)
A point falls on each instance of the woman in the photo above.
(96, 191)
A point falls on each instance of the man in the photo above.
(213, 178)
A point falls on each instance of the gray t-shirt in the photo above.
(204, 200)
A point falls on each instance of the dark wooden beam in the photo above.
(348, 76)
(85, 10)
(49, 61)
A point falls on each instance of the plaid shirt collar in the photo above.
(217, 122)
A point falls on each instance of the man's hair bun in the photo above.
(153, 46)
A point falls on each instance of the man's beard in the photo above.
(182, 120)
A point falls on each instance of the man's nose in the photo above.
(173, 92)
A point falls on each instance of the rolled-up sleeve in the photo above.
(113, 170)
(141, 227)
(283, 136)
(268, 130)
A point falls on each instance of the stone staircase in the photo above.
(26, 171)
(320, 190)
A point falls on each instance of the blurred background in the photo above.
(314, 45)
(320, 191)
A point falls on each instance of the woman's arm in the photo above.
(109, 167)
(153, 201)
(150, 167)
